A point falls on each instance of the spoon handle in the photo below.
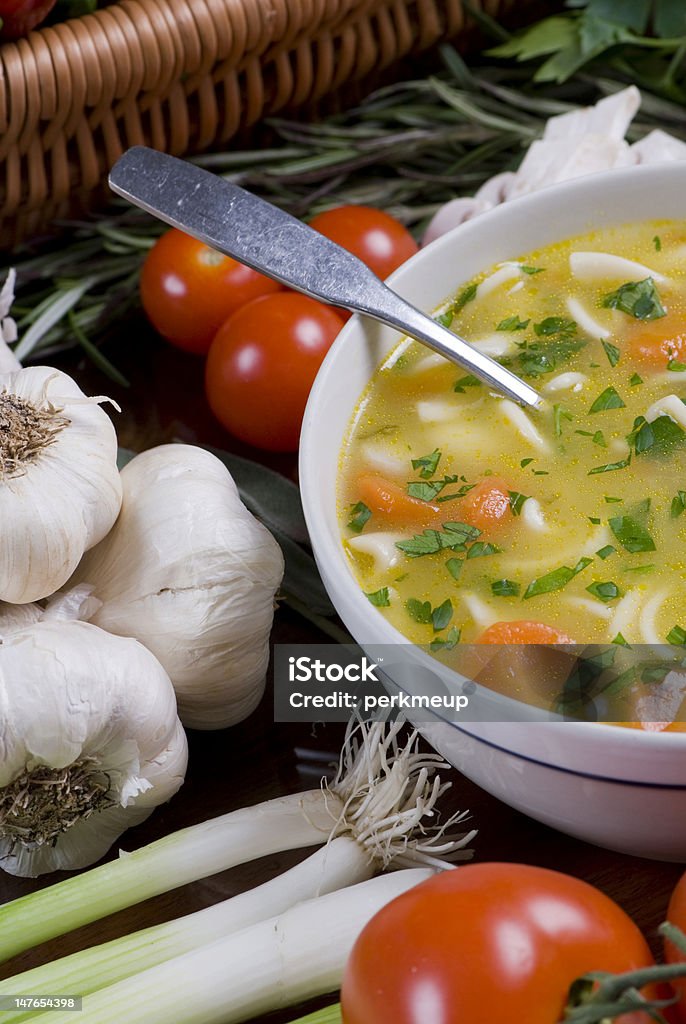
(259, 234)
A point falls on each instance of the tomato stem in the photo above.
(673, 935)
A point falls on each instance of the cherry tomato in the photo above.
(378, 239)
(188, 290)
(676, 914)
(487, 944)
(262, 364)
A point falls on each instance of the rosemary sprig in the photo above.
(407, 148)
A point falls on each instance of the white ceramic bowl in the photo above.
(620, 788)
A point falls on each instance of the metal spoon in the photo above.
(261, 235)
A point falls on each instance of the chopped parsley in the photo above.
(468, 381)
(612, 353)
(422, 612)
(639, 299)
(512, 323)
(555, 326)
(425, 490)
(481, 548)
(678, 504)
(609, 467)
(675, 366)
(613, 501)
(427, 464)
(444, 319)
(657, 437)
(517, 500)
(657, 242)
(454, 567)
(631, 534)
(379, 598)
(594, 519)
(677, 636)
(606, 551)
(608, 591)
(505, 588)
(451, 640)
(560, 414)
(555, 580)
(640, 570)
(635, 380)
(360, 514)
(619, 639)
(538, 357)
(597, 437)
(441, 615)
(609, 399)
(453, 536)
(526, 462)
(531, 270)
(465, 296)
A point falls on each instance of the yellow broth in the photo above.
(541, 315)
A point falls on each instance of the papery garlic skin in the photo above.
(58, 503)
(190, 572)
(71, 692)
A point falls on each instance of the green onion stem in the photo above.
(341, 863)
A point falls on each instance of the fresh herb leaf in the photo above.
(639, 299)
(635, 380)
(468, 381)
(657, 242)
(444, 319)
(420, 611)
(454, 537)
(425, 490)
(631, 534)
(454, 567)
(555, 326)
(597, 437)
(606, 592)
(512, 323)
(525, 462)
(606, 551)
(594, 519)
(609, 467)
(530, 270)
(657, 437)
(677, 636)
(640, 570)
(612, 353)
(675, 366)
(555, 580)
(540, 472)
(613, 501)
(619, 639)
(560, 414)
(464, 489)
(427, 464)
(609, 399)
(360, 515)
(505, 588)
(537, 357)
(517, 500)
(450, 641)
(678, 504)
(465, 296)
(481, 548)
(441, 616)
(379, 598)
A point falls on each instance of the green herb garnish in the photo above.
(481, 548)
(450, 641)
(425, 490)
(454, 536)
(640, 570)
(444, 319)
(609, 467)
(427, 464)
(657, 242)
(608, 591)
(639, 299)
(676, 367)
(454, 567)
(619, 639)
(525, 462)
(441, 616)
(418, 610)
(612, 353)
(517, 500)
(677, 636)
(555, 580)
(635, 380)
(678, 504)
(505, 588)
(609, 399)
(465, 296)
(555, 326)
(512, 323)
(613, 501)
(606, 551)
(631, 534)
(531, 270)
(379, 598)
(597, 437)
(657, 437)
(560, 414)
(468, 381)
(360, 515)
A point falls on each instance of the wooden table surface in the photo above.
(258, 760)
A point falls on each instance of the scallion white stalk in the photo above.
(270, 965)
(384, 797)
(341, 863)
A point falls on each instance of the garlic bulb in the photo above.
(60, 490)
(91, 743)
(189, 572)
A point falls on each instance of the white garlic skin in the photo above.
(70, 690)
(66, 499)
(191, 573)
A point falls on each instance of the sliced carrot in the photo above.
(523, 631)
(486, 506)
(654, 726)
(389, 500)
(655, 344)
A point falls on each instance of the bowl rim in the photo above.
(328, 553)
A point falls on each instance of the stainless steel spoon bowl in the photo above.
(259, 234)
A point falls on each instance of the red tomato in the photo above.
(262, 364)
(378, 239)
(20, 16)
(487, 944)
(676, 914)
(188, 290)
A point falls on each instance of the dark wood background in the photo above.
(258, 759)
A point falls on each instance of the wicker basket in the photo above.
(182, 76)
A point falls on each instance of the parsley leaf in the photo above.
(360, 515)
(612, 353)
(467, 295)
(537, 357)
(425, 490)
(427, 464)
(525, 462)
(639, 299)
(609, 467)
(606, 551)
(379, 598)
(630, 534)
(555, 326)
(451, 640)
(454, 567)
(468, 381)
(441, 615)
(555, 580)
(505, 588)
(605, 591)
(609, 399)
(512, 323)
(635, 380)
(481, 548)
(677, 636)
(531, 270)
(420, 611)
(454, 536)
(560, 414)
(517, 500)
(657, 437)
(657, 242)
(678, 504)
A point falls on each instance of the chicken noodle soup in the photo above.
(468, 519)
